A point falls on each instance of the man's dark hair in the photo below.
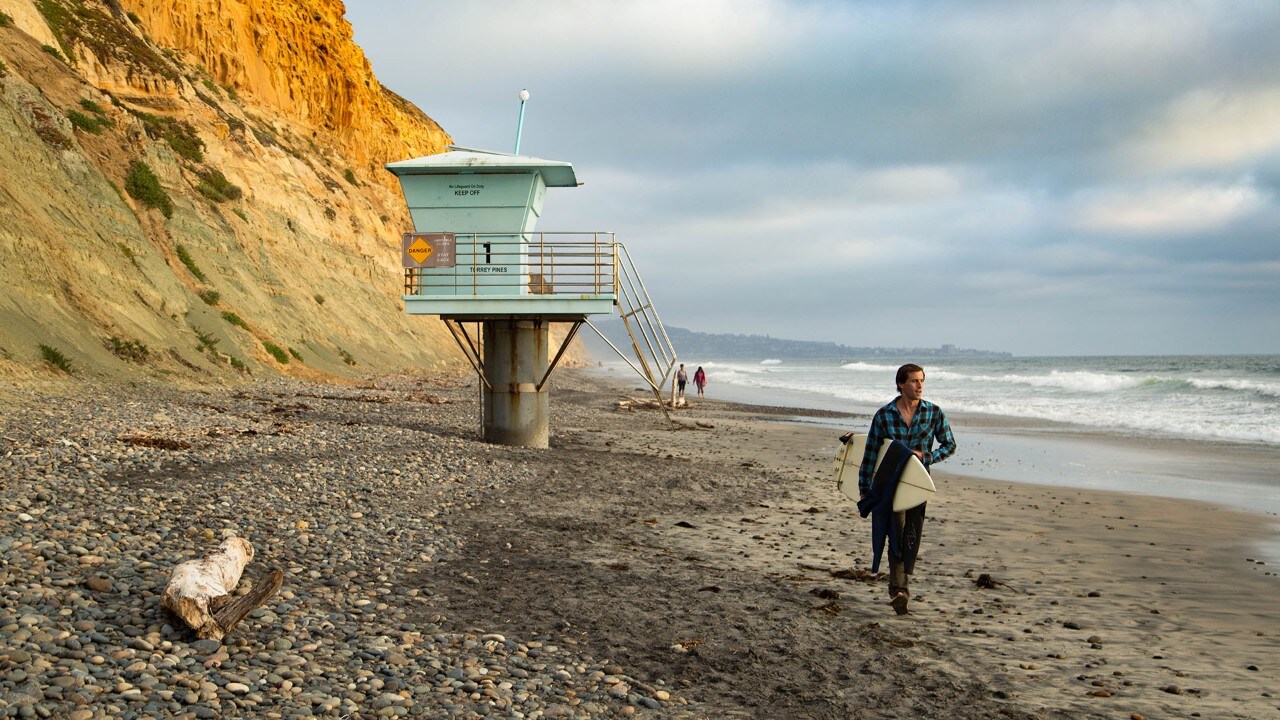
(905, 371)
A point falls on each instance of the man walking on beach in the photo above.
(916, 423)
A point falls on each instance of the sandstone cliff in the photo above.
(194, 189)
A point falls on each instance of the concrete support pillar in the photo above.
(515, 359)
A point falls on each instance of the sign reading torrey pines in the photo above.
(427, 250)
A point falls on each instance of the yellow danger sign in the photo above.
(420, 250)
(428, 250)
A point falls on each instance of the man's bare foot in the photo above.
(899, 603)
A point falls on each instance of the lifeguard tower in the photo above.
(476, 257)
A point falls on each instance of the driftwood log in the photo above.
(199, 591)
(635, 403)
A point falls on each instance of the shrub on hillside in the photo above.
(184, 141)
(215, 186)
(47, 127)
(55, 358)
(94, 124)
(207, 341)
(180, 136)
(234, 319)
(280, 355)
(84, 122)
(128, 349)
(192, 268)
(143, 186)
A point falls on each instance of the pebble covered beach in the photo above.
(705, 568)
(342, 488)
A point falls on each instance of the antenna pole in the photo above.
(524, 95)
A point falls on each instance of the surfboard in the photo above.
(915, 486)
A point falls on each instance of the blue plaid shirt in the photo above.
(927, 425)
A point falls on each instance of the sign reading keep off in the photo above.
(427, 250)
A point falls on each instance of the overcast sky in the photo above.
(1069, 178)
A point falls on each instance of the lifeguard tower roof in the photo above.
(555, 173)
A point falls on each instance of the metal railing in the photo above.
(534, 263)
(547, 264)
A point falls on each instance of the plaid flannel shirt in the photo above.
(928, 424)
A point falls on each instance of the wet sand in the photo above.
(720, 559)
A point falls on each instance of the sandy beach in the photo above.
(1112, 604)
(633, 569)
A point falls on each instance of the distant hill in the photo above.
(724, 346)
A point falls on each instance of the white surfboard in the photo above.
(915, 486)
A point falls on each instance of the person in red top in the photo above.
(700, 380)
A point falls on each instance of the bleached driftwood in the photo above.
(634, 403)
(199, 591)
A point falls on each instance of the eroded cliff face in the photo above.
(299, 58)
(194, 189)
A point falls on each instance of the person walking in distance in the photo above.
(917, 423)
(682, 379)
(699, 380)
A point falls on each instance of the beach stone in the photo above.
(99, 584)
(205, 647)
(1172, 689)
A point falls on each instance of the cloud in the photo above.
(1167, 209)
(772, 163)
(1210, 129)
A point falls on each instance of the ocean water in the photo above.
(1203, 428)
(1231, 398)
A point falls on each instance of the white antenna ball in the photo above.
(524, 95)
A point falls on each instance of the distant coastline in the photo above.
(690, 343)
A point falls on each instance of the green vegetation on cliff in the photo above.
(143, 185)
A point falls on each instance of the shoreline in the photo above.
(1056, 454)
(632, 569)
(1177, 583)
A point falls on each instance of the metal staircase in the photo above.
(652, 348)
(562, 277)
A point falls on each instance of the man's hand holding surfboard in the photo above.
(915, 486)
